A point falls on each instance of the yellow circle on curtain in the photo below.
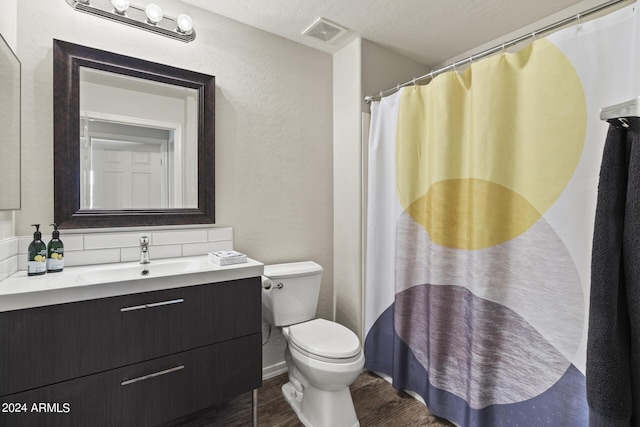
(483, 154)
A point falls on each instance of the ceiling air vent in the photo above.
(325, 30)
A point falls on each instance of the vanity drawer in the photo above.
(147, 393)
(45, 345)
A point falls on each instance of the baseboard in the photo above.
(274, 370)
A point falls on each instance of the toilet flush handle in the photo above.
(268, 284)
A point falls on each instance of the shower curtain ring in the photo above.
(414, 81)
(503, 48)
(431, 76)
(533, 34)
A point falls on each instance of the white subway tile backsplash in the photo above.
(8, 248)
(166, 251)
(222, 233)
(204, 248)
(88, 257)
(22, 262)
(113, 240)
(155, 252)
(86, 247)
(8, 266)
(23, 244)
(179, 236)
(129, 254)
(72, 243)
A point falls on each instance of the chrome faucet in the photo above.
(144, 250)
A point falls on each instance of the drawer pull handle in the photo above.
(158, 304)
(153, 304)
(155, 374)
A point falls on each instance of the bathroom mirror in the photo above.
(133, 141)
(9, 127)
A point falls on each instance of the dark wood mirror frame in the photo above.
(67, 60)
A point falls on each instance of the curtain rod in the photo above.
(368, 99)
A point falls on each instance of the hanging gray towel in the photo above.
(613, 349)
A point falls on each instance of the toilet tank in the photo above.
(292, 294)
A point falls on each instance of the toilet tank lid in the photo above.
(305, 268)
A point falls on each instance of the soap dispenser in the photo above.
(55, 252)
(37, 261)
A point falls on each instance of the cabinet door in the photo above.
(144, 394)
(46, 345)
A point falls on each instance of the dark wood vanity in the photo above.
(141, 359)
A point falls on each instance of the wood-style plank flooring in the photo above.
(376, 403)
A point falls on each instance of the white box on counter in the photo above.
(227, 257)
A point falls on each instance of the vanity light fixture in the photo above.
(154, 14)
(185, 24)
(120, 6)
(150, 18)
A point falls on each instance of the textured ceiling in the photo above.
(429, 31)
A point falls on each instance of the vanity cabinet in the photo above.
(131, 360)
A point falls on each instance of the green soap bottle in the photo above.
(37, 261)
(55, 252)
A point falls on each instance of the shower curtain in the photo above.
(482, 188)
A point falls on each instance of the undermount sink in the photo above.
(143, 271)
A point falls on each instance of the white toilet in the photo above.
(323, 357)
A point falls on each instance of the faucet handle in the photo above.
(144, 240)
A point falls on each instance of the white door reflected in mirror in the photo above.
(127, 175)
(138, 142)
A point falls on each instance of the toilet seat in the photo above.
(324, 340)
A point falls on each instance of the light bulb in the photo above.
(154, 13)
(185, 23)
(120, 5)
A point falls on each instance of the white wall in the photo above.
(347, 213)
(360, 68)
(383, 69)
(273, 117)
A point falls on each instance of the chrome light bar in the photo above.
(149, 18)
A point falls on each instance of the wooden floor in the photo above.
(376, 403)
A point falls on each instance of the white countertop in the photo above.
(21, 291)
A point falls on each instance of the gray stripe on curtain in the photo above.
(613, 349)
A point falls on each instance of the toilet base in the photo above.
(323, 408)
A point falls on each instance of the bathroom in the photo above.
(288, 144)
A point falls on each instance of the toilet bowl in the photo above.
(323, 357)
(321, 370)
